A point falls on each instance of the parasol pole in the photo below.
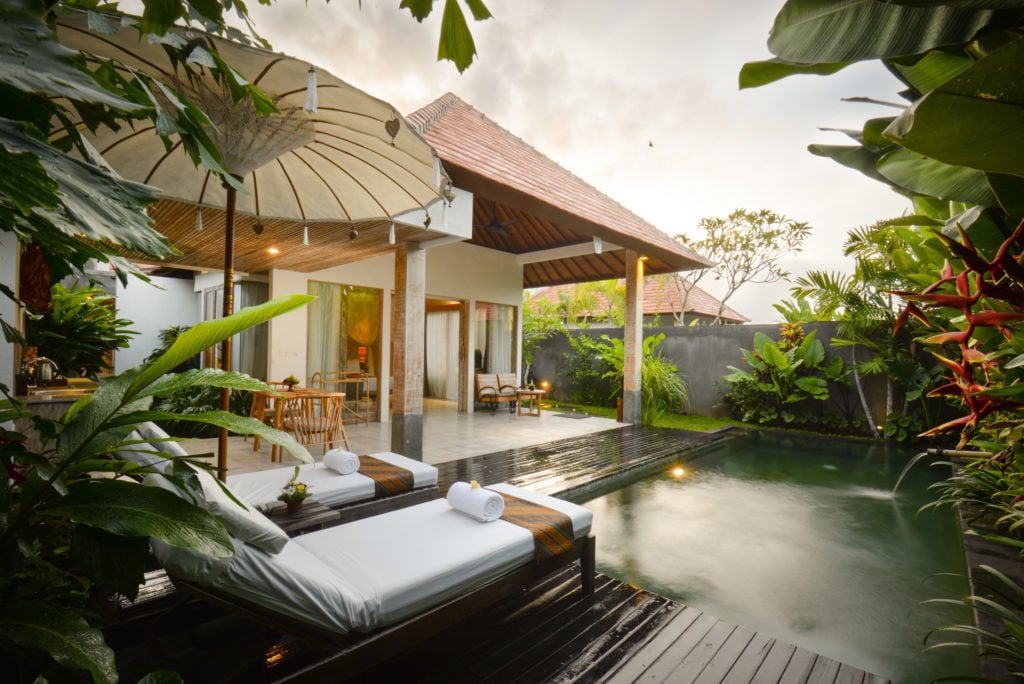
(229, 308)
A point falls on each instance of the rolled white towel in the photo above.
(341, 461)
(476, 502)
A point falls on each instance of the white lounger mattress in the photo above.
(379, 570)
(262, 488)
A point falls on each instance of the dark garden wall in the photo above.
(703, 355)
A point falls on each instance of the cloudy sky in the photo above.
(592, 83)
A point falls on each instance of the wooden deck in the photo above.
(549, 632)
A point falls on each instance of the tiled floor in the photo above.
(447, 435)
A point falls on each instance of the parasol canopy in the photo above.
(330, 153)
(352, 159)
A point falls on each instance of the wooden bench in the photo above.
(495, 388)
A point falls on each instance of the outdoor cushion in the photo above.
(244, 522)
(261, 488)
(160, 439)
(379, 570)
(143, 453)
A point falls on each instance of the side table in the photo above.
(313, 516)
(529, 402)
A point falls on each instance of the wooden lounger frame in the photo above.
(354, 653)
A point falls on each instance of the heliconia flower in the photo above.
(953, 301)
(965, 252)
(959, 423)
(950, 389)
(972, 355)
(994, 317)
(947, 271)
(962, 288)
(955, 337)
(957, 369)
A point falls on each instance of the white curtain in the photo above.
(249, 348)
(324, 328)
(442, 355)
(500, 339)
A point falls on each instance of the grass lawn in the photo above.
(679, 422)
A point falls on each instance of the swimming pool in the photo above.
(800, 539)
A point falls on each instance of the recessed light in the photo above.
(273, 250)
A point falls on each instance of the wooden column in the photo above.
(633, 335)
(407, 361)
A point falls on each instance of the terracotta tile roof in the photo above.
(544, 204)
(659, 298)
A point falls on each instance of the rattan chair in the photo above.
(314, 420)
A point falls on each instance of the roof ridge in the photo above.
(549, 160)
(427, 115)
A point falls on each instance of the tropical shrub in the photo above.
(662, 390)
(76, 526)
(586, 369)
(80, 330)
(786, 382)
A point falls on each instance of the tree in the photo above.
(746, 247)
(541, 320)
(864, 306)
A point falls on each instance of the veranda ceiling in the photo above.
(554, 212)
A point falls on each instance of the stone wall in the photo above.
(703, 355)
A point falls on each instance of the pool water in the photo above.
(800, 539)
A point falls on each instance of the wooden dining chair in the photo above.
(314, 420)
(357, 401)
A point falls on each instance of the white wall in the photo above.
(152, 307)
(8, 309)
(454, 271)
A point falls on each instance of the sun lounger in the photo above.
(369, 588)
(327, 486)
(356, 495)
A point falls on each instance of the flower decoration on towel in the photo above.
(474, 484)
(294, 491)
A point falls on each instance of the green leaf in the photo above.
(456, 40)
(242, 425)
(64, 635)
(968, 120)
(756, 74)
(34, 61)
(931, 70)
(24, 182)
(814, 31)
(858, 158)
(420, 9)
(479, 10)
(117, 563)
(95, 203)
(930, 177)
(133, 510)
(1016, 362)
(814, 386)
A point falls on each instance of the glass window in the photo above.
(344, 329)
(495, 338)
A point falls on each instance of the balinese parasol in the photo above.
(332, 153)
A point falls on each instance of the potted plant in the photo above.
(291, 381)
(294, 493)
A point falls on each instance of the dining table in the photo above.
(280, 404)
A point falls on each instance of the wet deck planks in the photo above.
(620, 635)
(565, 466)
(549, 632)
